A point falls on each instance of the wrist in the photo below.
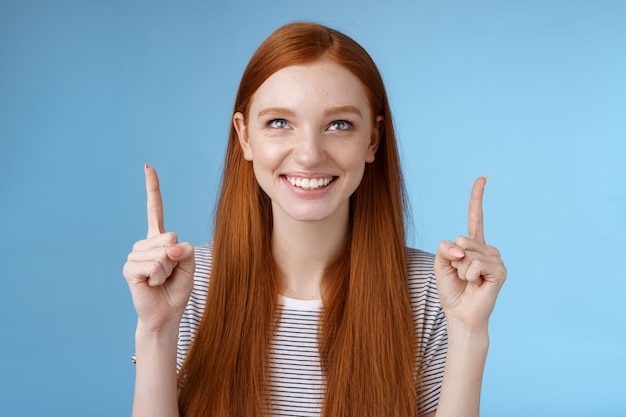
(463, 373)
(460, 333)
(152, 344)
(163, 332)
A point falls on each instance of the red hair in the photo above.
(367, 340)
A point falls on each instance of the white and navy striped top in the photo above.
(297, 384)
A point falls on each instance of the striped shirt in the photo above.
(297, 384)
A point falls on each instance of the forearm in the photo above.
(156, 389)
(463, 373)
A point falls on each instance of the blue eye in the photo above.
(277, 123)
(340, 125)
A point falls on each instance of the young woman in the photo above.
(308, 302)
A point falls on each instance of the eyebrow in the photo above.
(328, 112)
(277, 110)
(343, 109)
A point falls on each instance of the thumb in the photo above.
(183, 254)
(447, 252)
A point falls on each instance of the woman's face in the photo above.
(309, 134)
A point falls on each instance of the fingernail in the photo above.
(176, 251)
(456, 252)
(146, 166)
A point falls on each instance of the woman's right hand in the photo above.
(159, 270)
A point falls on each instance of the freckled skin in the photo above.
(309, 121)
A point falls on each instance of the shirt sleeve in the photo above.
(430, 326)
(192, 316)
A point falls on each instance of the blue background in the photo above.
(533, 93)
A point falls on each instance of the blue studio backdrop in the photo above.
(532, 93)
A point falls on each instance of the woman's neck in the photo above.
(302, 251)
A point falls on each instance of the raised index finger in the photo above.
(475, 214)
(155, 204)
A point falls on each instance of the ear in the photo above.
(242, 133)
(377, 132)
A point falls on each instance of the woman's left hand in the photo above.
(469, 272)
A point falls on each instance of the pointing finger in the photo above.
(155, 204)
(475, 213)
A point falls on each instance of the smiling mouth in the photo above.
(310, 183)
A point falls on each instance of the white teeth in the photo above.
(309, 183)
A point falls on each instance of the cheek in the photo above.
(355, 157)
(266, 159)
(264, 177)
(352, 162)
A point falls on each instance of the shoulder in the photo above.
(203, 256)
(192, 316)
(420, 267)
(430, 326)
(423, 295)
(419, 260)
(204, 259)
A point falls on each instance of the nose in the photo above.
(308, 148)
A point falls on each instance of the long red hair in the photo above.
(367, 340)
